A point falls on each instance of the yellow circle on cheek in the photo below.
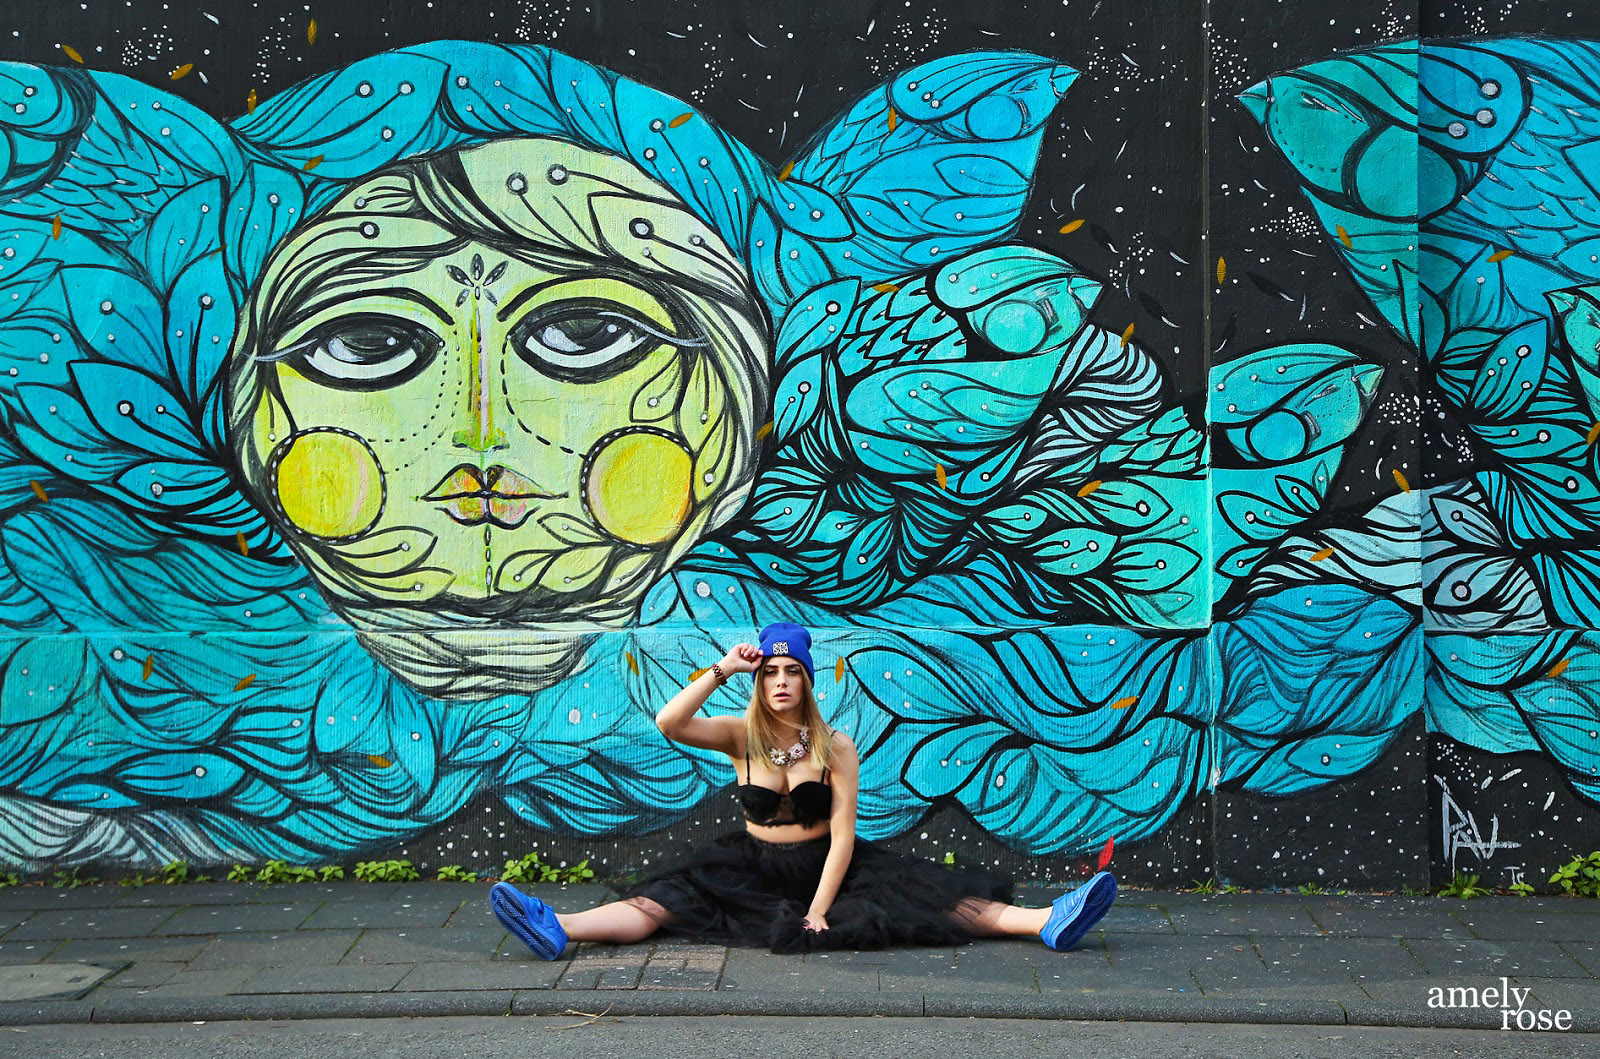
(329, 483)
(638, 487)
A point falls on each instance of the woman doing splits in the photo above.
(797, 878)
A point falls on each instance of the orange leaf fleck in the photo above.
(38, 490)
(680, 119)
(1122, 704)
(885, 288)
(1344, 236)
(1222, 270)
(1500, 255)
(311, 32)
(245, 682)
(1325, 553)
(55, 227)
(697, 674)
(72, 53)
(894, 119)
(939, 475)
(311, 163)
(766, 428)
(1594, 432)
(149, 667)
(1400, 480)
(783, 174)
(182, 71)
(379, 760)
(244, 545)
(838, 671)
(632, 664)
(1090, 487)
(1127, 336)
(1559, 668)
(1071, 226)
(250, 102)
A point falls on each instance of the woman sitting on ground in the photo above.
(797, 878)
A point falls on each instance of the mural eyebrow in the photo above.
(521, 299)
(330, 296)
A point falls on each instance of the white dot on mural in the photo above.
(574, 716)
(702, 589)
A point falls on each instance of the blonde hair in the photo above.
(761, 732)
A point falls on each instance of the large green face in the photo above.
(516, 382)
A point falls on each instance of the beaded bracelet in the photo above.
(716, 669)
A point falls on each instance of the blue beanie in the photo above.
(787, 638)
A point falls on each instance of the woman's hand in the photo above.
(815, 922)
(742, 659)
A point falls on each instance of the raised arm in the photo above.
(677, 719)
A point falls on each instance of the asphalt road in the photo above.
(769, 1038)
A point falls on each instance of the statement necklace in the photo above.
(783, 759)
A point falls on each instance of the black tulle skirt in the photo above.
(744, 891)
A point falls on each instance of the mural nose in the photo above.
(480, 434)
(481, 437)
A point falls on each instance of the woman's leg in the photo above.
(620, 921)
(990, 919)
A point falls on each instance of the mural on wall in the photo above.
(449, 387)
(1500, 303)
(413, 435)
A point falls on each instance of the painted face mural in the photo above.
(403, 442)
(509, 384)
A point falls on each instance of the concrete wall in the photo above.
(1178, 432)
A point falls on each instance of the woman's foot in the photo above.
(530, 919)
(1071, 915)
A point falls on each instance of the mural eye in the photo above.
(1316, 102)
(364, 352)
(585, 341)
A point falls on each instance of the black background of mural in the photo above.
(1517, 797)
(1285, 284)
(1123, 155)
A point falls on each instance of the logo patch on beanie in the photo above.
(781, 647)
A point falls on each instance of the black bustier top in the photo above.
(804, 804)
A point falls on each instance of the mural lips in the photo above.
(493, 494)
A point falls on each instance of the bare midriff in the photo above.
(787, 833)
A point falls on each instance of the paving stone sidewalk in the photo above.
(230, 951)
